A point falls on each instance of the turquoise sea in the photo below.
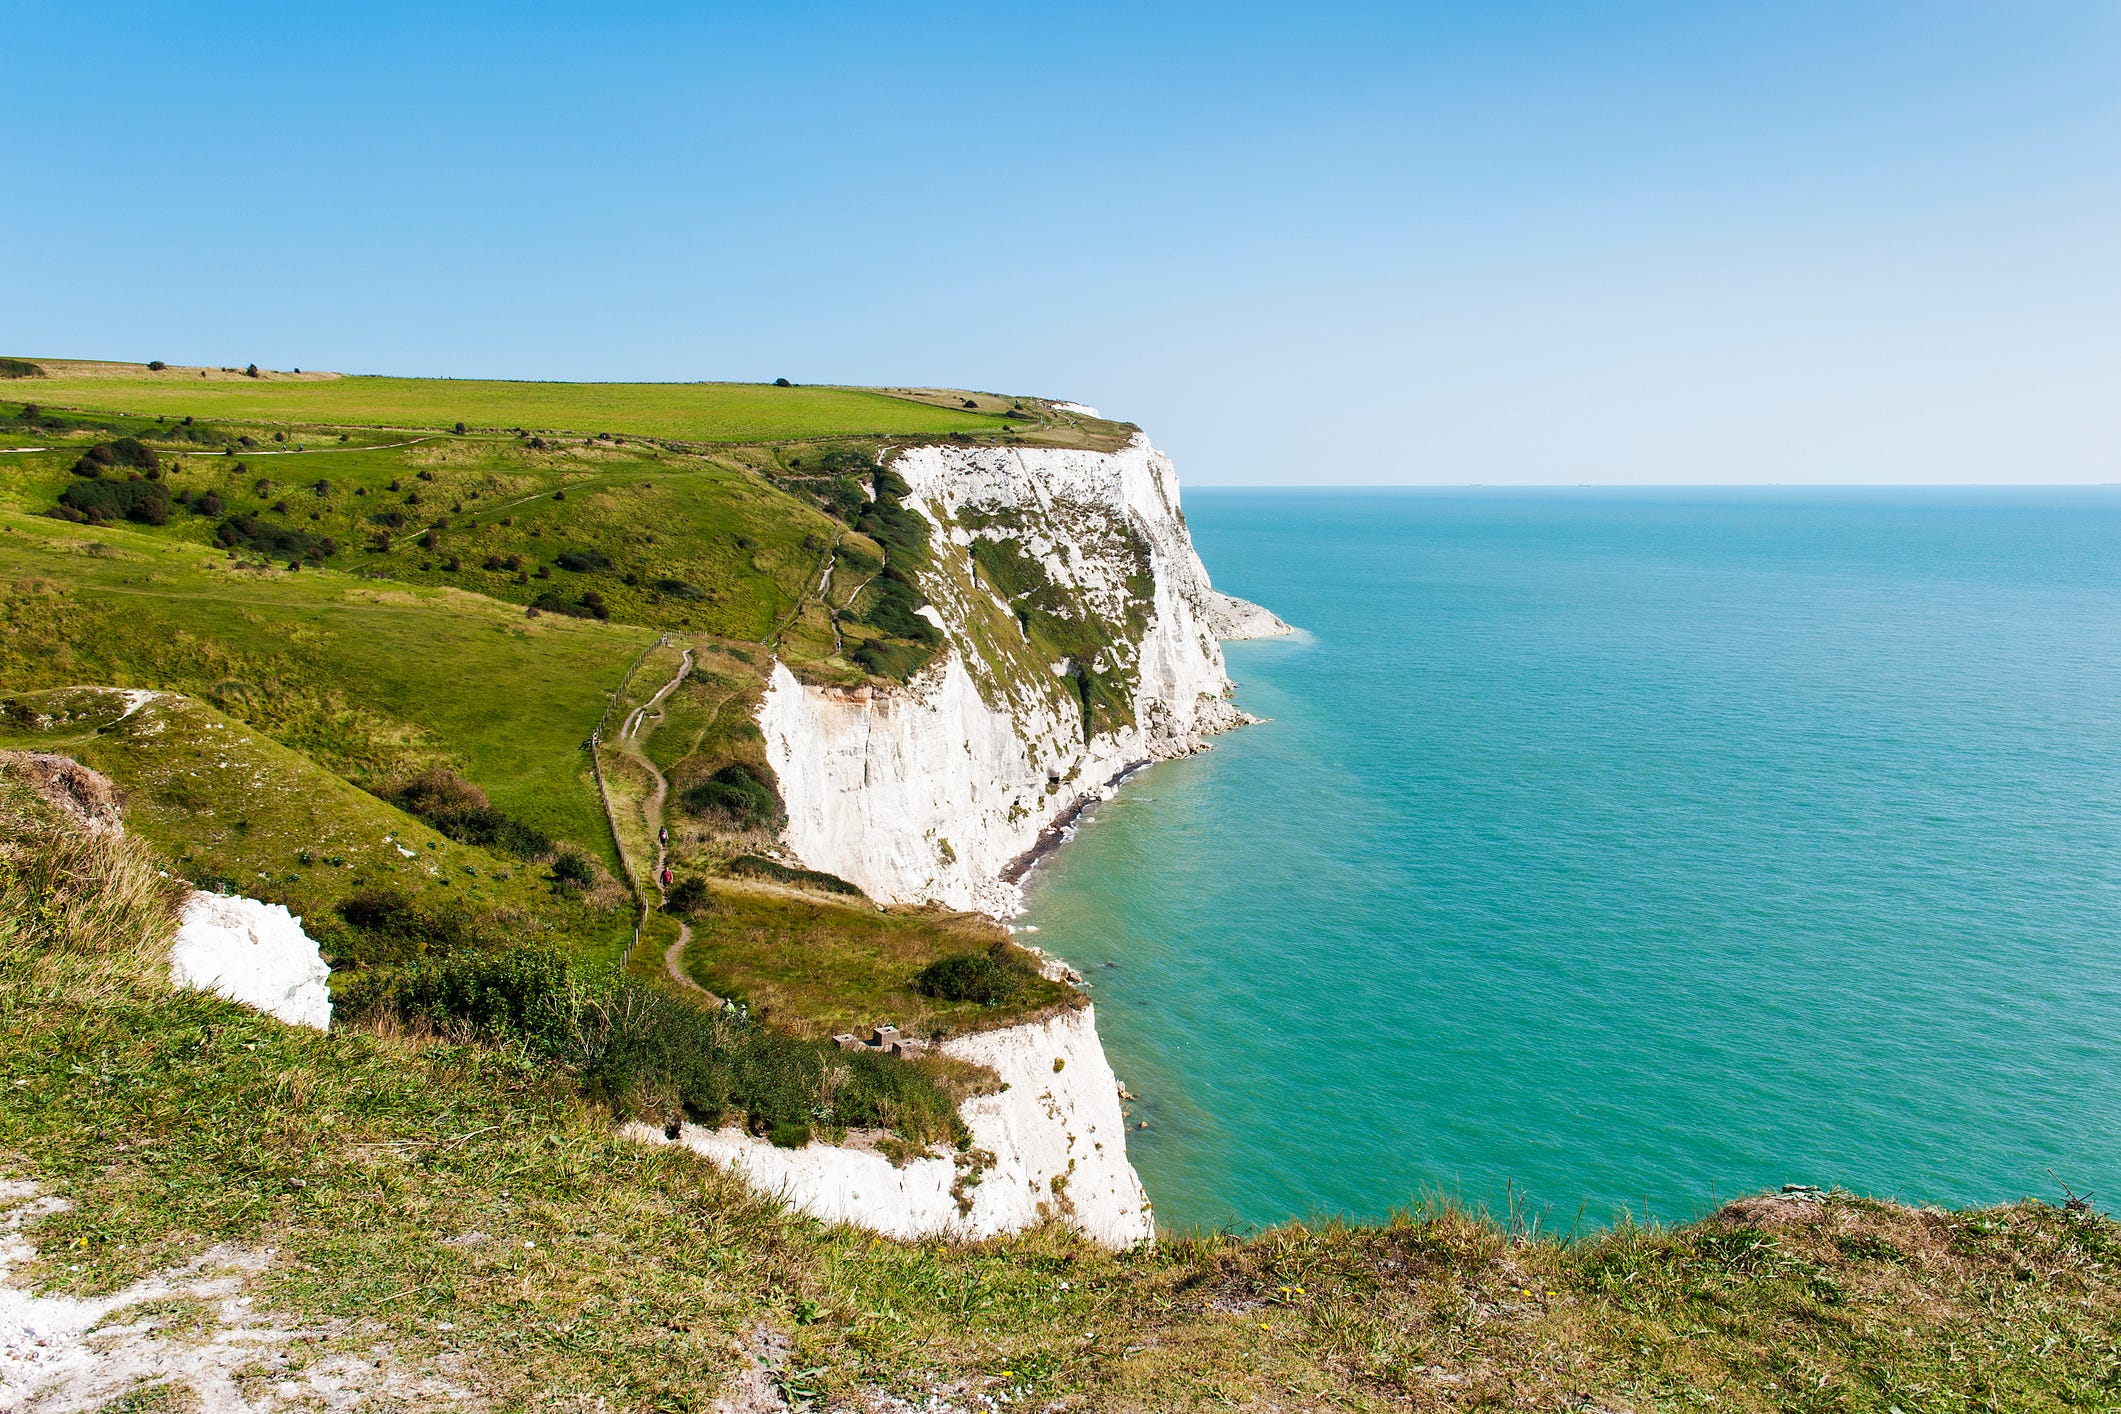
(1623, 850)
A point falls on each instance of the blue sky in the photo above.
(1530, 243)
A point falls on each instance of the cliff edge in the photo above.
(1080, 640)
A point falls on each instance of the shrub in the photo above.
(390, 926)
(461, 811)
(20, 368)
(782, 383)
(689, 896)
(458, 429)
(583, 561)
(126, 452)
(250, 372)
(572, 868)
(156, 365)
(648, 1054)
(755, 866)
(789, 1136)
(246, 532)
(676, 589)
(997, 975)
(738, 792)
(523, 994)
(206, 503)
(896, 610)
(146, 502)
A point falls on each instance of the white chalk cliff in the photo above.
(929, 792)
(1051, 1144)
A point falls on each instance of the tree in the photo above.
(251, 371)
(782, 383)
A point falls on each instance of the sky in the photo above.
(1317, 244)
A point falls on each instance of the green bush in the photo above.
(676, 589)
(20, 368)
(738, 793)
(572, 868)
(461, 811)
(990, 978)
(896, 607)
(146, 502)
(245, 531)
(754, 866)
(789, 1136)
(523, 995)
(650, 1055)
(589, 606)
(385, 926)
(583, 561)
(689, 896)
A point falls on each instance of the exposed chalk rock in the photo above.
(931, 791)
(254, 953)
(1051, 1144)
(1230, 618)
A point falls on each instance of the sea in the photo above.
(1607, 854)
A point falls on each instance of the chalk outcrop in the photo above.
(932, 791)
(1052, 1143)
(254, 953)
(1231, 618)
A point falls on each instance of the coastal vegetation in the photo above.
(432, 1205)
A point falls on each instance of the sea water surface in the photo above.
(1625, 850)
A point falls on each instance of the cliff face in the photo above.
(1050, 1144)
(1081, 633)
(1080, 640)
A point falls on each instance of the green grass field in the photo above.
(226, 803)
(823, 965)
(690, 412)
(371, 679)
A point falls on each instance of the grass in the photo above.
(819, 964)
(400, 1184)
(370, 679)
(692, 412)
(226, 803)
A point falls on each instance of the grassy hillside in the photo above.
(374, 680)
(228, 806)
(450, 1220)
(692, 412)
